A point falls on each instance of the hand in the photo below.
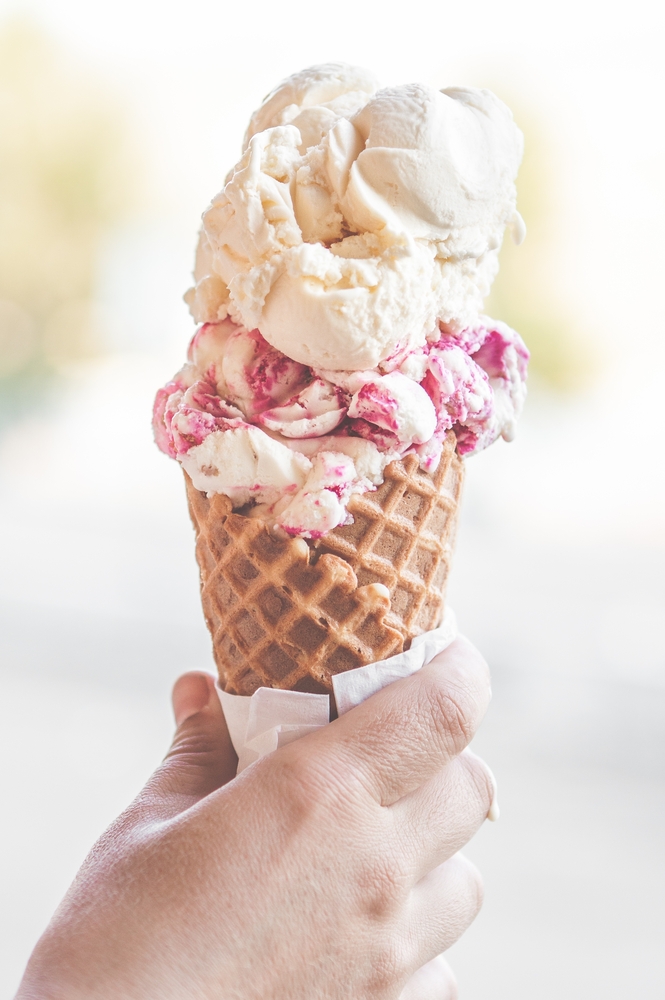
(328, 870)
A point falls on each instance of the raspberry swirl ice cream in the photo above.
(339, 282)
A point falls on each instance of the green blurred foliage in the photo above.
(527, 293)
(66, 177)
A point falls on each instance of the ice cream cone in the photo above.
(290, 613)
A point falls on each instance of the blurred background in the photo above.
(118, 123)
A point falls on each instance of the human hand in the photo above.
(327, 870)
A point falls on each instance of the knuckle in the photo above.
(391, 964)
(383, 889)
(315, 783)
(450, 713)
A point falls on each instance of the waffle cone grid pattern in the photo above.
(290, 613)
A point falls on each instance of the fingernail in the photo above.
(494, 811)
(191, 694)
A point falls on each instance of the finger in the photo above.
(443, 904)
(434, 981)
(400, 737)
(439, 818)
(201, 758)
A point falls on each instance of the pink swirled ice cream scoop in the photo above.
(338, 288)
(316, 410)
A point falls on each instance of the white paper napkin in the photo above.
(271, 718)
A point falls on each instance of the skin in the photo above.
(328, 869)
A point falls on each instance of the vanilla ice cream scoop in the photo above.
(358, 219)
(435, 165)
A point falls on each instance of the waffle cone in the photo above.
(290, 613)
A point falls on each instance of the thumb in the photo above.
(201, 758)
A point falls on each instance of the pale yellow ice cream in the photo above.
(357, 219)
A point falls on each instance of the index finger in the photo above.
(401, 736)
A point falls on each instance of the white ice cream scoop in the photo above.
(356, 220)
